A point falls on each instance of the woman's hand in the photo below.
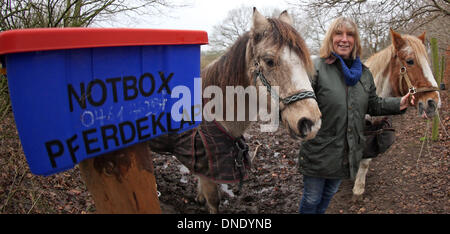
(404, 101)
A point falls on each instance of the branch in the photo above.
(66, 11)
(440, 8)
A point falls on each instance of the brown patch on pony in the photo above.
(380, 64)
(415, 72)
(422, 37)
(397, 40)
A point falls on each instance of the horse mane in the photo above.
(231, 68)
(417, 46)
(380, 61)
(285, 34)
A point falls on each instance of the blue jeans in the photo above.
(317, 194)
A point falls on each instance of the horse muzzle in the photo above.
(307, 128)
(302, 119)
(429, 108)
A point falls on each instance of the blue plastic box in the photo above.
(78, 93)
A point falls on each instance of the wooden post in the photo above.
(122, 182)
(436, 73)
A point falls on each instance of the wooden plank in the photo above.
(122, 182)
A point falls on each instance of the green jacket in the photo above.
(337, 149)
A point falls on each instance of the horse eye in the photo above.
(269, 62)
(410, 62)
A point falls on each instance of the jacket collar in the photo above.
(330, 60)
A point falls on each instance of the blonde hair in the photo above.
(337, 25)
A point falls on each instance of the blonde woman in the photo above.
(346, 92)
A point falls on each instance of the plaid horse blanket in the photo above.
(207, 150)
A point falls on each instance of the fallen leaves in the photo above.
(395, 183)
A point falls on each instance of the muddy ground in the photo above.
(411, 177)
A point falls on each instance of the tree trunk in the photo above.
(122, 182)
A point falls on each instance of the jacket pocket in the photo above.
(319, 143)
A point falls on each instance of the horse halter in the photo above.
(411, 89)
(288, 100)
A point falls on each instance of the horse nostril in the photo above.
(431, 108)
(431, 104)
(304, 126)
(421, 109)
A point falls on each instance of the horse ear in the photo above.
(260, 23)
(285, 17)
(397, 40)
(422, 37)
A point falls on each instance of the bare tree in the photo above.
(395, 11)
(375, 17)
(236, 23)
(71, 13)
(312, 26)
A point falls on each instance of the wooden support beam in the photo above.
(122, 182)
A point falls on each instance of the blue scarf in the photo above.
(353, 74)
